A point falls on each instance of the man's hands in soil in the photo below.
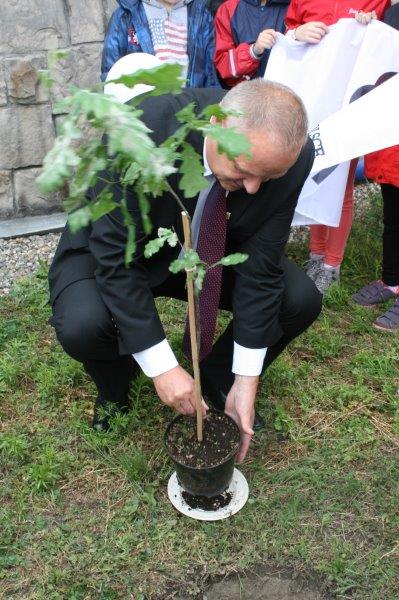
(240, 406)
(176, 389)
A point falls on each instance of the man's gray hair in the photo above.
(266, 105)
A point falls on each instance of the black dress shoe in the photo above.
(218, 400)
(259, 422)
(104, 411)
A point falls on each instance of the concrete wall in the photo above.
(28, 31)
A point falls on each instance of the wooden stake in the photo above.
(192, 319)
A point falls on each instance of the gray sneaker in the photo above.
(326, 278)
(389, 321)
(373, 293)
(313, 267)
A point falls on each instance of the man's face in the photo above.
(268, 161)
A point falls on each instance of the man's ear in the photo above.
(214, 120)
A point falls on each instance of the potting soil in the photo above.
(220, 438)
(209, 504)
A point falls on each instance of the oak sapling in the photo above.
(121, 145)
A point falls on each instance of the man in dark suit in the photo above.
(104, 313)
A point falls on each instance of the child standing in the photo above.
(245, 33)
(179, 31)
(383, 167)
(308, 21)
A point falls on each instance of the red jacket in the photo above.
(303, 11)
(383, 166)
(237, 25)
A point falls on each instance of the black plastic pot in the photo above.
(204, 481)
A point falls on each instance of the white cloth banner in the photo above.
(357, 129)
(331, 78)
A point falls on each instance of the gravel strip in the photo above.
(20, 257)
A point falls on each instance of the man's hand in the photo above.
(176, 389)
(365, 17)
(266, 40)
(240, 406)
(311, 33)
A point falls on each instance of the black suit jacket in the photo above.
(259, 225)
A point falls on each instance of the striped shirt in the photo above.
(168, 32)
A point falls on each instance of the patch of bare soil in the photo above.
(259, 588)
(264, 583)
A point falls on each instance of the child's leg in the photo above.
(338, 236)
(318, 239)
(390, 239)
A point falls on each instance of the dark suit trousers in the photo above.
(86, 330)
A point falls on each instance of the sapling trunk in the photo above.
(193, 319)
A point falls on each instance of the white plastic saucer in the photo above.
(238, 489)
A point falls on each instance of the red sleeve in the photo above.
(233, 63)
(293, 16)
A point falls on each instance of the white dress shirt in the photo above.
(160, 358)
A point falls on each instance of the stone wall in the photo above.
(28, 31)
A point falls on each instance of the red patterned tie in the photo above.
(210, 247)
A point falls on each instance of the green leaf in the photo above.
(92, 161)
(215, 110)
(145, 208)
(189, 261)
(54, 56)
(199, 278)
(169, 235)
(132, 174)
(101, 109)
(45, 78)
(175, 140)
(127, 136)
(131, 231)
(232, 259)
(58, 166)
(79, 218)
(130, 244)
(187, 114)
(154, 174)
(165, 78)
(104, 205)
(153, 246)
(193, 180)
(230, 142)
(164, 235)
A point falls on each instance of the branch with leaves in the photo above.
(80, 161)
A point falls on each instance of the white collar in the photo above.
(207, 169)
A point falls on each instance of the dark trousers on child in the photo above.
(390, 239)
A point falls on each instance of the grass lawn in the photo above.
(84, 515)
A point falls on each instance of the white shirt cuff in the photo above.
(156, 360)
(248, 361)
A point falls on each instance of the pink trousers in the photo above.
(330, 242)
